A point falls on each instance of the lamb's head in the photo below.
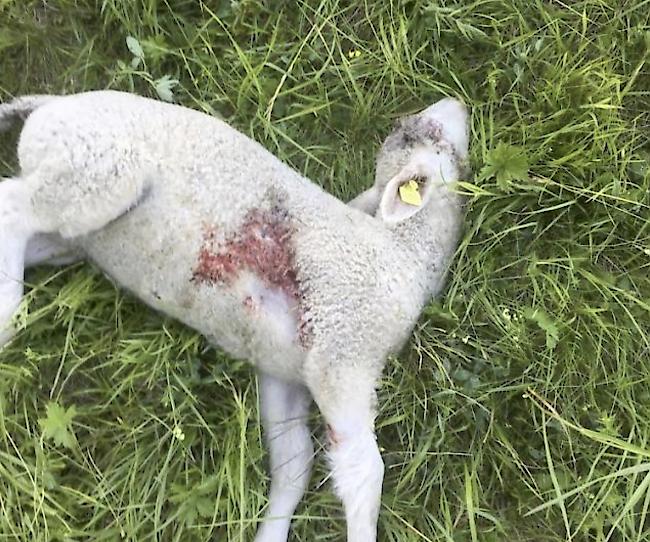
(418, 161)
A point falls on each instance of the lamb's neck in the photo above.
(431, 236)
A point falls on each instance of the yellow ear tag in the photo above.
(410, 193)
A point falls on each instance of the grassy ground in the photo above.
(521, 408)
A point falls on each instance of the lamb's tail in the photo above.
(20, 108)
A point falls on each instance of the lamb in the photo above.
(205, 225)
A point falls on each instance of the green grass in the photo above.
(520, 409)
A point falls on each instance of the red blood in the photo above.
(333, 436)
(262, 246)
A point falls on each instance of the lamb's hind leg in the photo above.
(51, 249)
(18, 223)
(284, 408)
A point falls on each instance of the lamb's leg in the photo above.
(17, 225)
(284, 409)
(346, 397)
(50, 249)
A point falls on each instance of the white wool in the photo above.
(202, 223)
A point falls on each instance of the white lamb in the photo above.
(204, 224)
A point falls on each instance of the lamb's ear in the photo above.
(404, 196)
(366, 201)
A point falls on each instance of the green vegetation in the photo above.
(519, 411)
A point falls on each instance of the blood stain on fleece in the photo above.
(262, 246)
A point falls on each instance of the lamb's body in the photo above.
(202, 223)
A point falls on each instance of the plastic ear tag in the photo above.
(410, 193)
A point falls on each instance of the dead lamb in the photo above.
(212, 229)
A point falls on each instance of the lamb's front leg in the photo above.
(345, 394)
(284, 409)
